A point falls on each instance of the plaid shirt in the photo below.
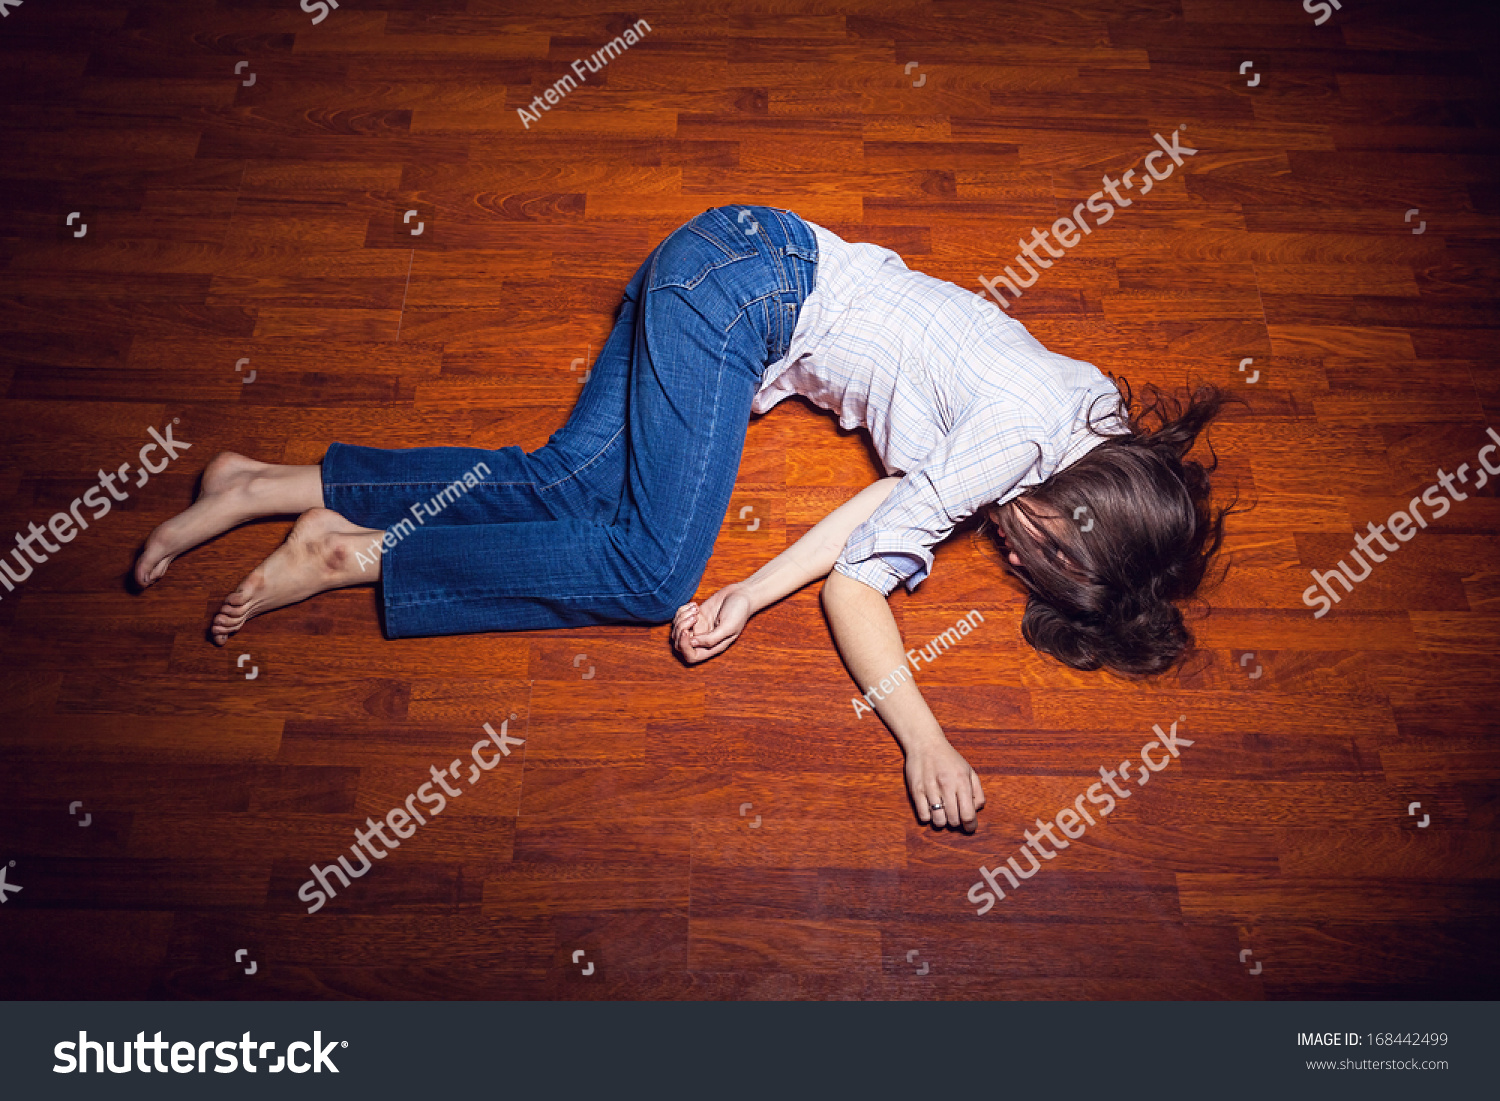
(958, 397)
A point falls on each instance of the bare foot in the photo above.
(321, 552)
(235, 489)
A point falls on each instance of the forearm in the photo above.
(865, 631)
(813, 555)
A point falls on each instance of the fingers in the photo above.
(689, 618)
(961, 798)
(682, 623)
(920, 799)
(693, 647)
(694, 653)
(940, 816)
(963, 801)
(708, 611)
(718, 634)
(714, 651)
(926, 786)
(701, 631)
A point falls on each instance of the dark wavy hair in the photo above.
(1105, 597)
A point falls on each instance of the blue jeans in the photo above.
(614, 520)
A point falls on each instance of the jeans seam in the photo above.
(539, 487)
(729, 258)
(783, 216)
(596, 457)
(698, 481)
(789, 273)
(790, 280)
(692, 227)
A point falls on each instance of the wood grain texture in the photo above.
(737, 830)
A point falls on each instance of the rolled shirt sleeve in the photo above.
(989, 456)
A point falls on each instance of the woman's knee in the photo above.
(659, 603)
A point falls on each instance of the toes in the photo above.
(158, 570)
(149, 566)
(243, 595)
(146, 577)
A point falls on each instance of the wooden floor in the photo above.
(230, 220)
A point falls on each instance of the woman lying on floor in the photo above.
(613, 521)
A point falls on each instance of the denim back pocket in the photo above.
(711, 240)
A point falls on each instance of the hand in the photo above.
(699, 632)
(938, 773)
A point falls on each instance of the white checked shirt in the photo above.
(957, 396)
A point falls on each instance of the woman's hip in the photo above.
(752, 263)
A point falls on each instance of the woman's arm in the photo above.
(813, 556)
(701, 631)
(869, 641)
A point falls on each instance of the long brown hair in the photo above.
(1104, 598)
